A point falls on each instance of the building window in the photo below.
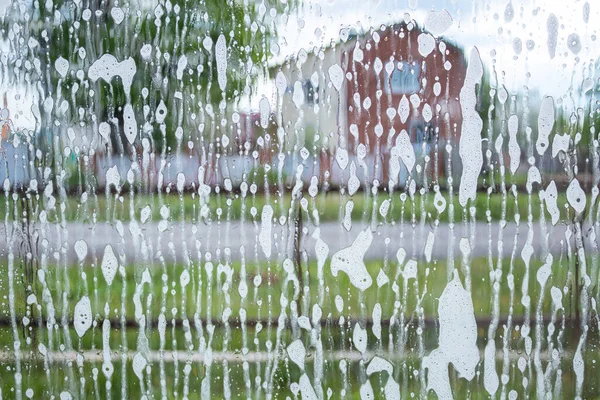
(404, 79)
(311, 93)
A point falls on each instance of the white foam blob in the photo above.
(109, 264)
(351, 261)
(82, 320)
(457, 340)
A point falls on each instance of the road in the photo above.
(139, 243)
(233, 357)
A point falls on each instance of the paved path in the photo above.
(169, 356)
(144, 241)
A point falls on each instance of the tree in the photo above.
(174, 46)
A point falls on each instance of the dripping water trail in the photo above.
(297, 256)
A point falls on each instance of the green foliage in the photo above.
(81, 32)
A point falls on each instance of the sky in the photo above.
(486, 24)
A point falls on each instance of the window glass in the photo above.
(299, 199)
(404, 79)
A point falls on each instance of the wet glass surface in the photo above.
(299, 199)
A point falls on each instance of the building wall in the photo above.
(383, 69)
(310, 106)
(400, 45)
(404, 65)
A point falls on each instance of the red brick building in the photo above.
(403, 79)
(389, 80)
(402, 61)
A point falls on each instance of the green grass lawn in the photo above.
(165, 294)
(329, 207)
(68, 378)
(165, 290)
